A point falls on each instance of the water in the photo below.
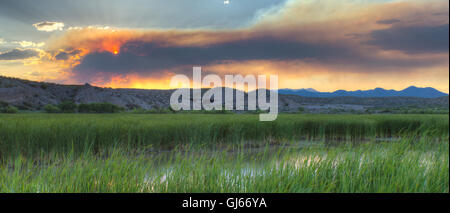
(251, 162)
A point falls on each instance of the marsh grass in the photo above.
(223, 153)
(31, 134)
(408, 165)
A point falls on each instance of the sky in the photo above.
(327, 45)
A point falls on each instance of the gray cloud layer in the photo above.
(413, 39)
(17, 54)
(144, 56)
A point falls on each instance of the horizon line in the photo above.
(317, 91)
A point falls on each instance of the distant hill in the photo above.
(412, 91)
(31, 95)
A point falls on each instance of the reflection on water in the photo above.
(239, 166)
(253, 162)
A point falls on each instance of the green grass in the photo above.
(223, 153)
(402, 166)
(35, 133)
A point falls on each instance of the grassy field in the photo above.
(223, 153)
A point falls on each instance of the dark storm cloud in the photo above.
(147, 57)
(17, 54)
(141, 56)
(413, 39)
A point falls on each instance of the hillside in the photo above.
(30, 95)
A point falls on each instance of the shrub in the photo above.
(172, 110)
(67, 107)
(3, 104)
(99, 108)
(52, 109)
(155, 110)
(10, 109)
(166, 110)
(140, 111)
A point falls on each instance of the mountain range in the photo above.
(412, 91)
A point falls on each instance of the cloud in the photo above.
(348, 38)
(153, 56)
(29, 44)
(18, 54)
(388, 21)
(413, 39)
(147, 56)
(151, 52)
(65, 55)
(49, 26)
